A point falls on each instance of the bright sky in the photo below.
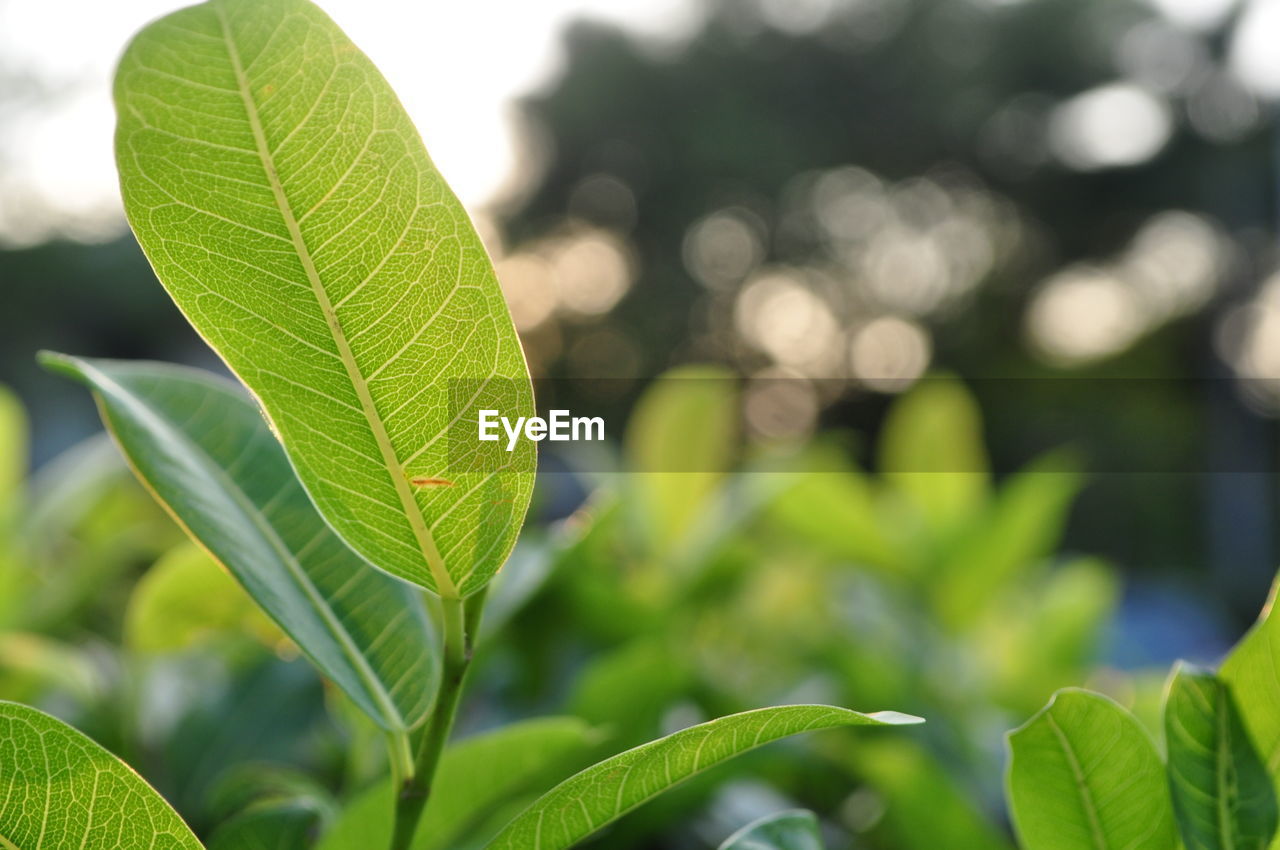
(456, 66)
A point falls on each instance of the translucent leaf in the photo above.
(287, 203)
(60, 789)
(1252, 671)
(1084, 774)
(606, 791)
(1222, 795)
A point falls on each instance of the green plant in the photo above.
(925, 582)
(1084, 773)
(288, 206)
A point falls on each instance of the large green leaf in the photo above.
(202, 448)
(796, 830)
(1084, 774)
(60, 789)
(1222, 795)
(606, 791)
(476, 776)
(286, 202)
(1252, 671)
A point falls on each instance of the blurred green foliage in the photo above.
(787, 574)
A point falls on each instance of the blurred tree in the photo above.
(1107, 176)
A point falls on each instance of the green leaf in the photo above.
(932, 452)
(835, 506)
(1252, 671)
(290, 826)
(202, 448)
(286, 202)
(1222, 795)
(13, 452)
(682, 439)
(184, 600)
(1084, 774)
(925, 806)
(796, 830)
(606, 791)
(60, 789)
(476, 776)
(1021, 526)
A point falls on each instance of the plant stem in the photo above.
(461, 620)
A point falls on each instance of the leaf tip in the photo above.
(896, 718)
(62, 364)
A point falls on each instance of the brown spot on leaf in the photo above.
(421, 481)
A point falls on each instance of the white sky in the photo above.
(456, 65)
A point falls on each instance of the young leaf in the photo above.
(1222, 795)
(1084, 774)
(476, 776)
(606, 791)
(60, 789)
(1252, 671)
(286, 202)
(796, 830)
(204, 451)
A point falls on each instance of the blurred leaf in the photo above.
(290, 826)
(1084, 774)
(797, 830)
(477, 775)
(1047, 632)
(606, 791)
(534, 561)
(680, 441)
(257, 784)
(1020, 527)
(184, 600)
(31, 665)
(630, 688)
(13, 452)
(925, 808)
(836, 506)
(60, 789)
(202, 448)
(1252, 671)
(355, 299)
(268, 712)
(931, 451)
(67, 488)
(1222, 795)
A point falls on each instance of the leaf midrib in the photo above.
(426, 541)
(1086, 796)
(336, 627)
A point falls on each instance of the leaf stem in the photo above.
(461, 622)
